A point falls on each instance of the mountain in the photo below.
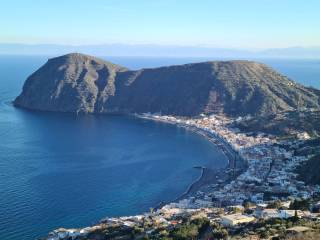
(81, 83)
(70, 83)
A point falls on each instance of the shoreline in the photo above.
(190, 188)
(214, 188)
(207, 176)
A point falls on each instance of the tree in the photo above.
(151, 210)
(220, 233)
(189, 231)
(247, 204)
(265, 234)
(302, 204)
(201, 223)
(275, 204)
(295, 218)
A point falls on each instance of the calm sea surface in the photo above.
(63, 170)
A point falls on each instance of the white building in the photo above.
(235, 219)
(267, 213)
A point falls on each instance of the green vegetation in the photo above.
(309, 171)
(285, 124)
(302, 204)
(275, 204)
(190, 230)
(202, 229)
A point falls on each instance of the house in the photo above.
(267, 213)
(235, 219)
(288, 213)
(236, 208)
(257, 198)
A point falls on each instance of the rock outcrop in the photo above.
(81, 83)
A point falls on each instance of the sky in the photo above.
(249, 24)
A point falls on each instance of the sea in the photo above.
(63, 170)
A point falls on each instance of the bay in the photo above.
(65, 170)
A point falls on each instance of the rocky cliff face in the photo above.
(80, 83)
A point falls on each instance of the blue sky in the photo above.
(227, 23)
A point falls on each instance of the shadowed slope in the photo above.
(70, 83)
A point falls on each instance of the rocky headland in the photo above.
(80, 83)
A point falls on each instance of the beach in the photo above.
(208, 177)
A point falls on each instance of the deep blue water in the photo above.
(63, 170)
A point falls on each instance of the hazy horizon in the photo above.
(238, 25)
(153, 50)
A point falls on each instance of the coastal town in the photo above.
(160, 120)
(260, 183)
(266, 165)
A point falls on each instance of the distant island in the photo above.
(267, 125)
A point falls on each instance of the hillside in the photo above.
(284, 123)
(81, 83)
(309, 170)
